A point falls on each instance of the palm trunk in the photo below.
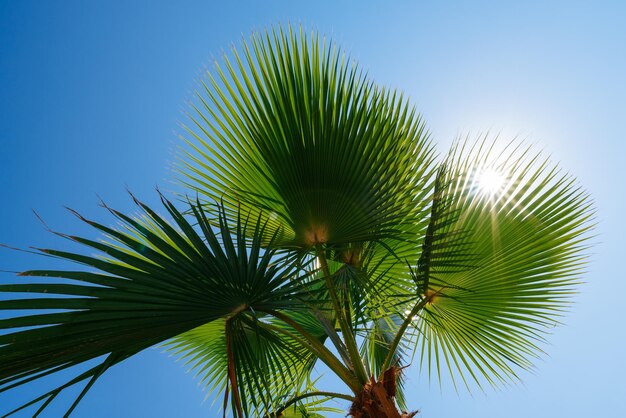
(376, 399)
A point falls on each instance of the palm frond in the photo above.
(501, 260)
(268, 366)
(290, 127)
(153, 281)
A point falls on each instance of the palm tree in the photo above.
(323, 229)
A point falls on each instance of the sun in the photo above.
(490, 181)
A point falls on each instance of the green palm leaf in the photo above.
(269, 367)
(500, 261)
(376, 349)
(290, 127)
(154, 281)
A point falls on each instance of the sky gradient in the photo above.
(91, 96)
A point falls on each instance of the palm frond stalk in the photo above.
(338, 238)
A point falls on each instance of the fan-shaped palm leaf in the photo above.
(500, 260)
(290, 127)
(154, 282)
(269, 366)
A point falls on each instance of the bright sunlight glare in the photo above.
(490, 181)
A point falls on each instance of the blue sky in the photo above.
(91, 96)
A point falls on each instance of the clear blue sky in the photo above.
(90, 97)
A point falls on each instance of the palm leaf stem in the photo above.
(348, 336)
(295, 399)
(320, 350)
(400, 334)
(232, 375)
(425, 258)
(331, 332)
(225, 403)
